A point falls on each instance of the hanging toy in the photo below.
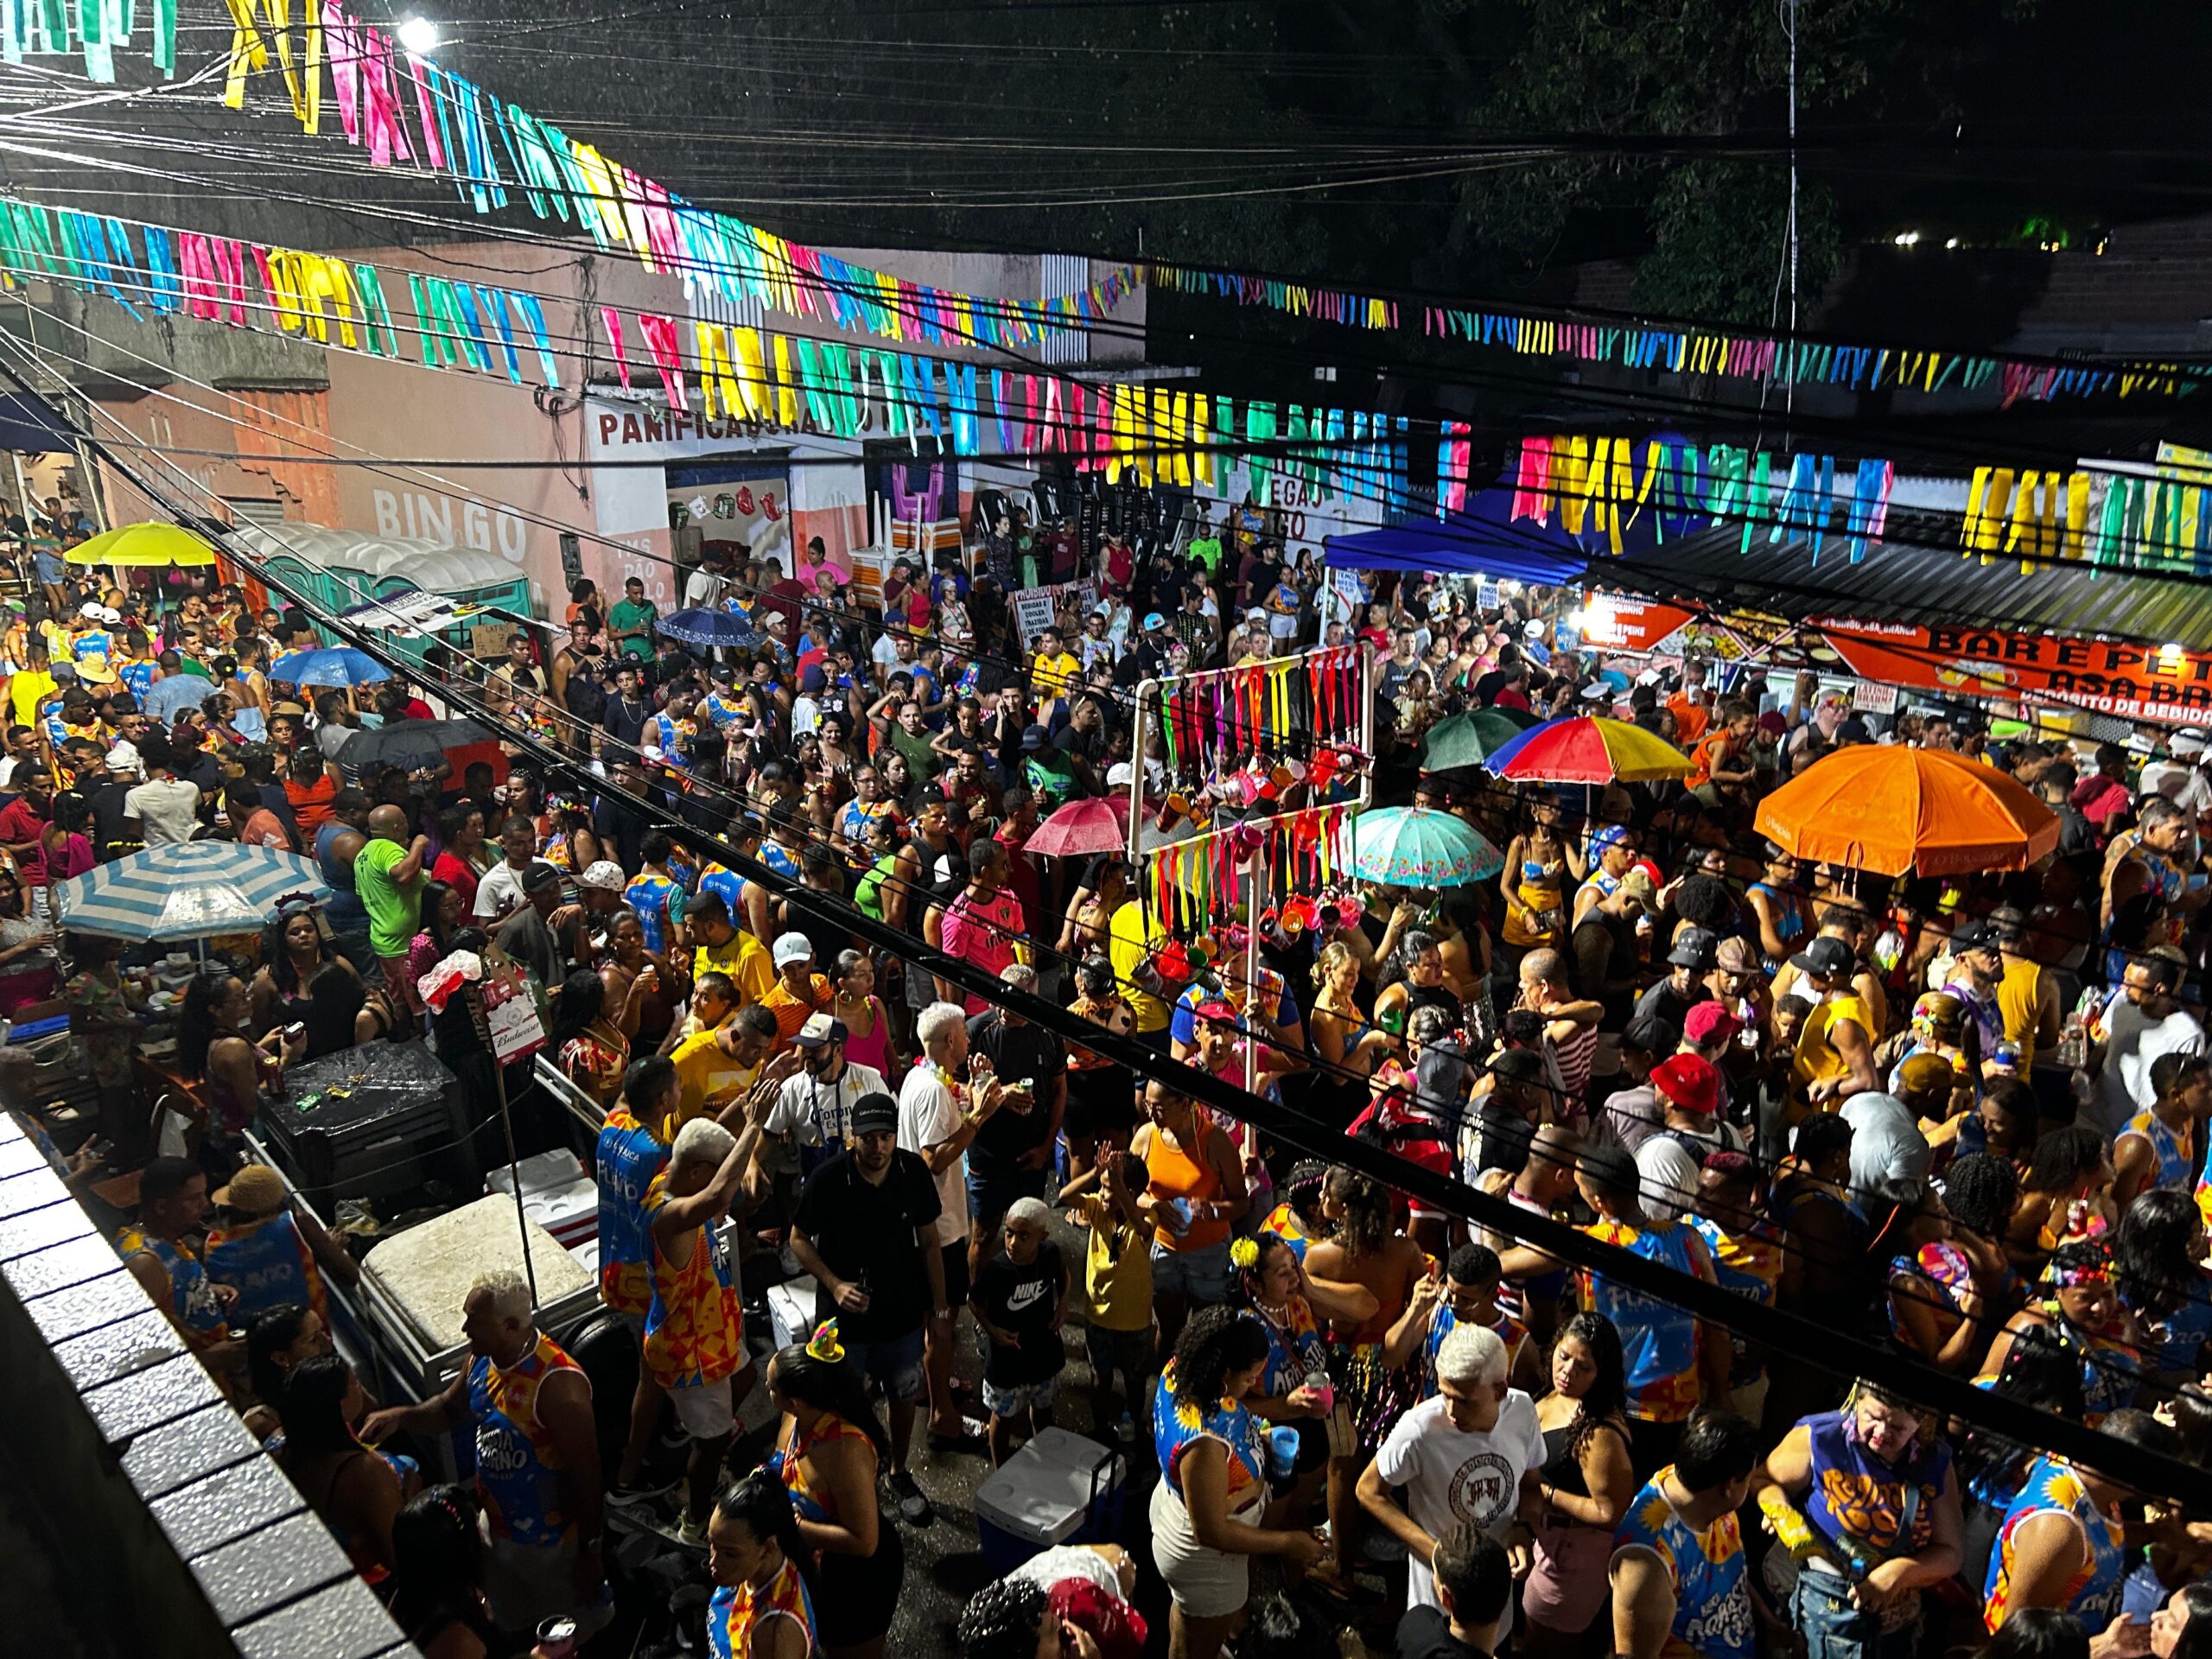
(1172, 811)
(1299, 914)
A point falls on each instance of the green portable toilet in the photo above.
(337, 569)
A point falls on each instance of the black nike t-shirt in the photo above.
(1021, 1298)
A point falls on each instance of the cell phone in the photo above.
(297, 1032)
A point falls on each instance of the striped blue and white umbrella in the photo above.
(193, 891)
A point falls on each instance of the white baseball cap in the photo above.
(793, 947)
(605, 874)
(124, 757)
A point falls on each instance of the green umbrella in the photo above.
(1465, 740)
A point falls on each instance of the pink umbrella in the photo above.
(1087, 826)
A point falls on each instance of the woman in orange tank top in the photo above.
(1196, 1190)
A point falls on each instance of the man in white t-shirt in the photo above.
(934, 1123)
(2179, 777)
(1469, 1457)
(165, 808)
(2144, 1021)
(814, 1109)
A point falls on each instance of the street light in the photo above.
(419, 35)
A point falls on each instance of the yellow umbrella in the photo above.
(151, 545)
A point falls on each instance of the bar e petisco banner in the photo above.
(2132, 682)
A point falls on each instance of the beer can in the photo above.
(556, 1638)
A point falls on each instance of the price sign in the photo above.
(511, 1022)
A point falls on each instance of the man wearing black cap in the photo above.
(813, 1112)
(1047, 772)
(1835, 1047)
(866, 1230)
(530, 935)
(1977, 964)
(1632, 1116)
(1695, 950)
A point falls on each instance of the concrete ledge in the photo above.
(125, 1455)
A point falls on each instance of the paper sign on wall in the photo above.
(1871, 698)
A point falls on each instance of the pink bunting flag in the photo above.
(342, 46)
(230, 267)
(1532, 481)
(612, 318)
(660, 340)
(387, 133)
(433, 152)
(202, 285)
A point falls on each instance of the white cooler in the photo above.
(790, 1309)
(1059, 1489)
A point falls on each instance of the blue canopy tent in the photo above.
(1453, 547)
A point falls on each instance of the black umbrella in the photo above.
(410, 743)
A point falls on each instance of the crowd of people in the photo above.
(1965, 1117)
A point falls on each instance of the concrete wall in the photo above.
(184, 1538)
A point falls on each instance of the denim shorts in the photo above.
(896, 1362)
(1201, 1275)
(989, 1196)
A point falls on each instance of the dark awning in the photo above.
(26, 426)
(1918, 586)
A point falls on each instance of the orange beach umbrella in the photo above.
(1890, 809)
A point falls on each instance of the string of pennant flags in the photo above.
(1687, 350)
(1594, 485)
(1167, 434)
(92, 28)
(488, 147)
(1599, 486)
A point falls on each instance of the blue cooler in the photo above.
(1059, 1489)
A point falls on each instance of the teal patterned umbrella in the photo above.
(1416, 846)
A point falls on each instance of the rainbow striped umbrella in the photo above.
(1586, 749)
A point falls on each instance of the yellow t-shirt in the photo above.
(1126, 937)
(745, 959)
(26, 687)
(1117, 1269)
(707, 1080)
(1052, 677)
(1816, 1059)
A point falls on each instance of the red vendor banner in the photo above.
(2147, 682)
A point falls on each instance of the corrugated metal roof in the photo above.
(1914, 585)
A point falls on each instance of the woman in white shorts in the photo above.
(1213, 1462)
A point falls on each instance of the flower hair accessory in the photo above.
(824, 1344)
(1245, 1253)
